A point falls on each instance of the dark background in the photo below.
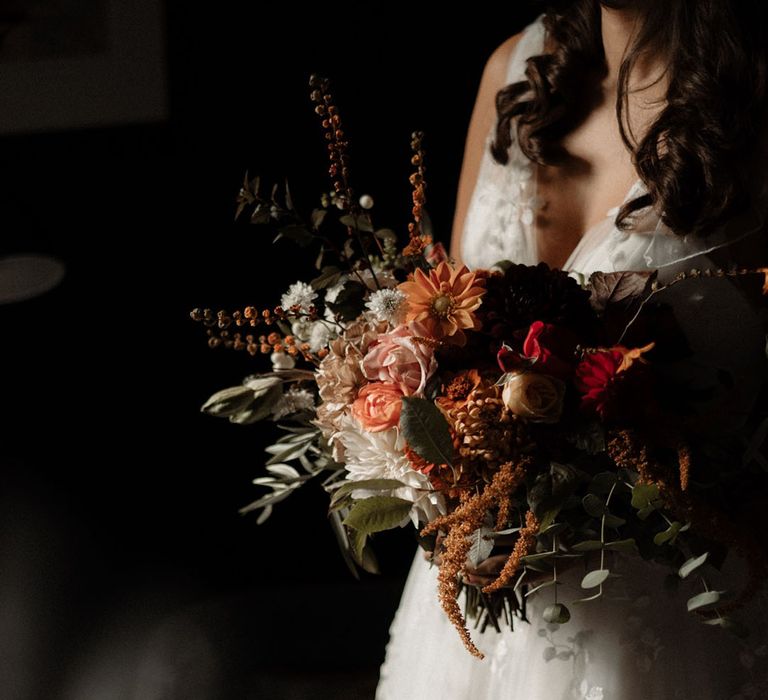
(126, 570)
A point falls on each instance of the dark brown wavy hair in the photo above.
(698, 158)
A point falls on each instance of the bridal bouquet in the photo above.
(516, 403)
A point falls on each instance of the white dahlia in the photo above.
(380, 456)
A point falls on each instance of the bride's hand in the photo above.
(488, 570)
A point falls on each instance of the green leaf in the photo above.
(329, 276)
(628, 545)
(426, 430)
(359, 223)
(608, 288)
(318, 216)
(556, 613)
(228, 402)
(703, 599)
(345, 546)
(296, 233)
(552, 489)
(692, 564)
(603, 482)
(646, 496)
(668, 535)
(594, 505)
(291, 452)
(595, 578)
(259, 409)
(260, 384)
(644, 513)
(377, 513)
(614, 521)
(378, 484)
(548, 520)
(587, 546)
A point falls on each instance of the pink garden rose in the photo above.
(397, 358)
(378, 406)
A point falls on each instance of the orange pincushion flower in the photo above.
(444, 301)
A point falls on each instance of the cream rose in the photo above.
(537, 397)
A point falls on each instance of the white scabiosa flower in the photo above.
(294, 400)
(380, 455)
(387, 305)
(301, 328)
(282, 360)
(299, 294)
(321, 334)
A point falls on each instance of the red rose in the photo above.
(552, 347)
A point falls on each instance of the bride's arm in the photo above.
(482, 121)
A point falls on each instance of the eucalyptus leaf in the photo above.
(556, 613)
(482, 544)
(628, 545)
(668, 535)
(587, 546)
(603, 482)
(645, 496)
(692, 564)
(595, 578)
(593, 505)
(614, 521)
(426, 430)
(703, 599)
(377, 513)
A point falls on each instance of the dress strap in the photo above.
(531, 44)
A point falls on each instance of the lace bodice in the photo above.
(500, 220)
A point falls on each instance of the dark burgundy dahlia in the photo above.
(523, 294)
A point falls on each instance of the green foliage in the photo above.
(377, 513)
(426, 430)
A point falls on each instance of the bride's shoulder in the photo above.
(498, 62)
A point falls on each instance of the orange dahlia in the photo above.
(444, 301)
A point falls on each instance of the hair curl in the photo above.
(697, 159)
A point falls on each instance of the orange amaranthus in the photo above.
(444, 300)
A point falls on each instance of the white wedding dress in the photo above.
(637, 642)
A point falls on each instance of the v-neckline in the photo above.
(587, 233)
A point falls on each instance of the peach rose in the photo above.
(377, 406)
(537, 397)
(397, 358)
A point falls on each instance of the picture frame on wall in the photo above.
(69, 64)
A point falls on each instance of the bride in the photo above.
(611, 135)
